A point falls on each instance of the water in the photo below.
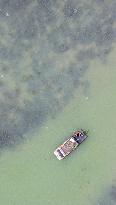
(31, 174)
(57, 74)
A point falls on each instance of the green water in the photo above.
(32, 175)
(57, 74)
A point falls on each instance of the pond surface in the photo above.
(57, 74)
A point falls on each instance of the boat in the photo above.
(70, 144)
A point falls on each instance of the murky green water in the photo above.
(32, 175)
(57, 74)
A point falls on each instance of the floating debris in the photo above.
(71, 144)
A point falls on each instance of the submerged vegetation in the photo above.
(110, 197)
(45, 50)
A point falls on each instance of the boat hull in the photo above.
(70, 144)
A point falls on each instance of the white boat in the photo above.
(71, 144)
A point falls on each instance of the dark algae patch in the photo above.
(109, 197)
(45, 49)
